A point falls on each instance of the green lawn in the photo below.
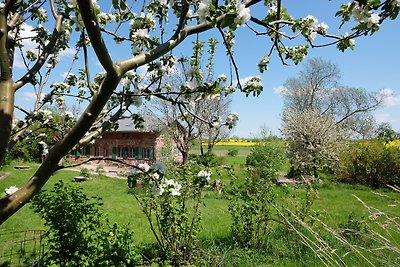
(334, 203)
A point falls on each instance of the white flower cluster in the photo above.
(203, 10)
(68, 115)
(11, 190)
(167, 185)
(205, 176)
(74, 4)
(45, 148)
(253, 85)
(243, 15)
(263, 64)
(231, 119)
(363, 15)
(144, 167)
(311, 27)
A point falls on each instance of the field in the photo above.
(334, 202)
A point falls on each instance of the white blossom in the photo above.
(322, 28)
(222, 77)
(359, 14)
(243, 15)
(141, 34)
(144, 167)
(203, 10)
(263, 64)
(205, 175)
(11, 190)
(373, 20)
(232, 119)
(68, 115)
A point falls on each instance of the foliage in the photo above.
(207, 160)
(78, 234)
(233, 152)
(385, 132)
(172, 207)
(371, 163)
(267, 159)
(251, 209)
(84, 172)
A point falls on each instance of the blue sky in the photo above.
(373, 65)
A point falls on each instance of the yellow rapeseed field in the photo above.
(236, 142)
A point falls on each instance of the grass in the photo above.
(334, 203)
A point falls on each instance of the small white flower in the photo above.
(204, 10)
(155, 176)
(373, 20)
(11, 190)
(141, 34)
(144, 167)
(243, 15)
(322, 28)
(174, 192)
(168, 182)
(222, 77)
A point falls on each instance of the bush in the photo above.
(171, 201)
(370, 163)
(78, 234)
(207, 160)
(233, 152)
(267, 159)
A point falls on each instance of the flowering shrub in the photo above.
(171, 202)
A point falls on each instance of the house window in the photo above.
(133, 152)
(148, 153)
(120, 152)
(96, 151)
(105, 152)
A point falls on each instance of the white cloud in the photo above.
(25, 33)
(29, 96)
(389, 97)
(69, 52)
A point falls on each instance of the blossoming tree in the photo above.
(148, 33)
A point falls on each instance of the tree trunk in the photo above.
(6, 90)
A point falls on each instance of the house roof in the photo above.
(150, 125)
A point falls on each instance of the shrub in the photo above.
(267, 159)
(233, 152)
(250, 209)
(207, 160)
(78, 234)
(85, 172)
(371, 163)
(172, 207)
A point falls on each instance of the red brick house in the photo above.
(134, 145)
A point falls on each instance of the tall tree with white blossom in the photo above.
(149, 32)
